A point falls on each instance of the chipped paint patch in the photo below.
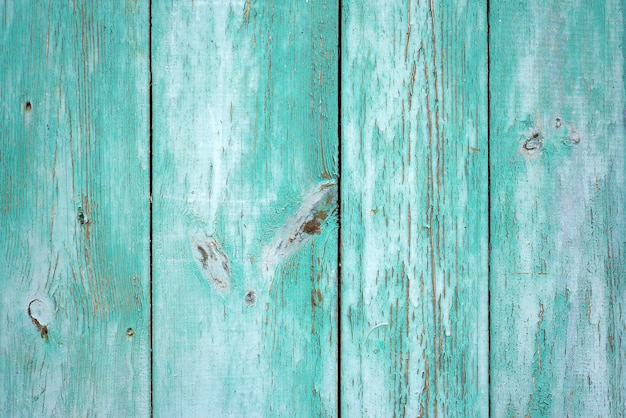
(298, 229)
(211, 260)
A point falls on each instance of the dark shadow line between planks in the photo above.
(339, 206)
(488, 212)
(150, 212)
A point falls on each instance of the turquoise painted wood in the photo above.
(301, 265)
(414, 209)
(558, 208)
(74, 209)
(245, 216)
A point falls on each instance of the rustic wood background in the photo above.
(313, 208)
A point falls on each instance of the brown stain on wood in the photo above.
(313, 226)
(204, 254)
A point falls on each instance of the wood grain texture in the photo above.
(74, 209)
(558, 152)
(414, 212)
(245, 230)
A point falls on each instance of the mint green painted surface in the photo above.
(246, 225)
(74, 207)
(245, 229)
(414, 209)
(558, 208)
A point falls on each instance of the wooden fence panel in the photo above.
(249, 218)
(414, 209)
(74, 209)
(558, 208)
(245, 229)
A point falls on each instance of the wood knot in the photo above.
(533, 143)
(573, 136)
(250, 298)
(558, 122)
(211, 260)
(40, 314)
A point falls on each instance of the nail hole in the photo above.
(28, 107)
(558, 123)
(130, 332)
(81, 216)
(250, 298)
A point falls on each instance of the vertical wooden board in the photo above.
(414, 209)
(74, 209)
(558, 208)
(245, 230)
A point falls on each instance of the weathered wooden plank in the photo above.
(558, 152)
(74, 236)
(414, 209)
(245, 231)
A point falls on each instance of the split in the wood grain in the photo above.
(384, 324)
(211, 260)
(299, 228)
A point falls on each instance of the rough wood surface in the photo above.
(245, 230)
(74, 216)
(558, 208)
(414, 209)
(245, 187)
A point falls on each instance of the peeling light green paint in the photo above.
(245, 145)
(414, 212)
(254, 198)
(558, 210)
(74, 216)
